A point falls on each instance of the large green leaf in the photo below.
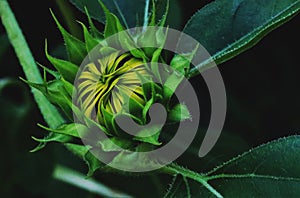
(228, 27)
(270, 170)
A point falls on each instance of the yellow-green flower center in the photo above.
(107, 82)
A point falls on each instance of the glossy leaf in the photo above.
(270, 170)
(228, 27)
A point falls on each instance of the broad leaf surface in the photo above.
(228, 27)
(270, 170)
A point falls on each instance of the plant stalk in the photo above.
(174, 169)
(32, 73)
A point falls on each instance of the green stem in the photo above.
(49, 112)
(174, 169)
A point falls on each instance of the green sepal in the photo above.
(178, 113)
(136, 52)
(74, 129)
(152, 21)
(90, 41)
(39, 147)
(146, 109)
(75, 48)
(113, 24)
(163, 20)
(108, 119)
(94, 31)
(120, 131)
(66, 69)
(123, 39)
(106, 51)
(93, 163)
(150, 89)
(135, 108)
(128, 44)
(153, 139)
(156, 69)
(55, 74)
(68, 87)
(57, 94)
(182, 62)
(145, 130)
(84, 153)
(134, 160)
(171, 84)
(53, 137)
(90, 124)
(131, 106)
(148, 39)
(153, 39)
(115, 144)
(78, 150)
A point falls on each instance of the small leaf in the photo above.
(57, 94)
(78, 150)
(113, 24)
(66, 69)
(93, 163)
(55, 74)
(75, 48)
(94, 31)
(83, 152)
(90, 41)
(108, 119)
(134, 160)
(153, 139)
(74, 129)
(179, 113)
(115, 144)
(182, 62)
(171, 84)
(53, 137)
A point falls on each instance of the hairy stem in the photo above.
(174, 169)
(16, 37)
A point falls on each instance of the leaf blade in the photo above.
(228, 28)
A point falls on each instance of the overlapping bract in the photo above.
(106, 85)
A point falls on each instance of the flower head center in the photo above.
(106, 83)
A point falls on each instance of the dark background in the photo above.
(262, 87)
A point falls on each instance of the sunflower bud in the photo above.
(105, 85)
(111, 77)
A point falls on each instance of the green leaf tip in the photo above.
(66, 69)
(75, 48)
